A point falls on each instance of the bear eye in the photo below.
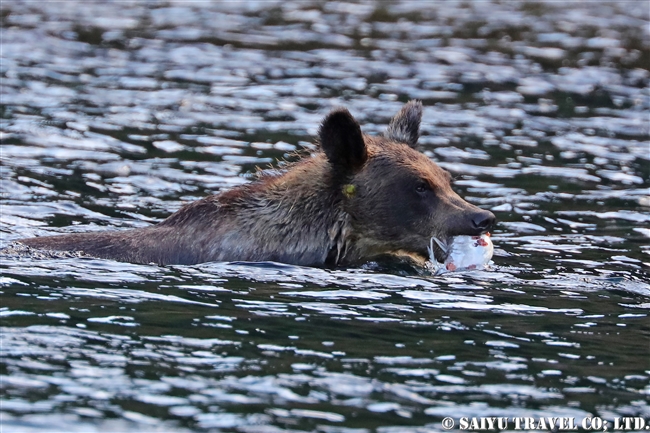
(422, 187)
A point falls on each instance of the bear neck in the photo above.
(296, 217)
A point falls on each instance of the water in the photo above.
(114, 115)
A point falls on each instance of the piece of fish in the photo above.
(464, 252)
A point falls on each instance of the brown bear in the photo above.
(359, 198)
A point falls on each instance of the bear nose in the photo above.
(483, 221)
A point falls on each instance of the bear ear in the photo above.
(341, 140)
(405, 126)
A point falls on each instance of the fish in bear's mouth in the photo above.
(461, 252)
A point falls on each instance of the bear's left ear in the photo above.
(405, 126)
(341, 140)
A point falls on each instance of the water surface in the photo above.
(114, 115)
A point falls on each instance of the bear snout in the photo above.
(483, 221)
(470, 222)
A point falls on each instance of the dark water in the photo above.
(115, 114)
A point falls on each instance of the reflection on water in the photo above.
(113, 117)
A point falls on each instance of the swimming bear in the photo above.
(358, 198)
